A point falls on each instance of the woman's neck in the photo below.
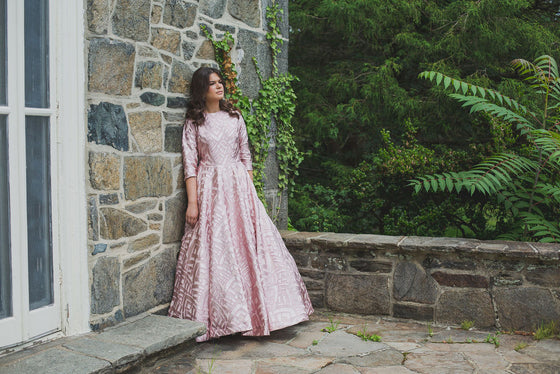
(212, 107)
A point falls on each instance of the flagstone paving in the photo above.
(328, 344)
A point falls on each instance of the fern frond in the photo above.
(549, 191)
(540, 73)
(543, 76)
(464, 87)
(540, 227)
(478, 104)
(547, 64)
(488, 177)
(504, 165)
(548, 142)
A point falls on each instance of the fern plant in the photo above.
(526, 181)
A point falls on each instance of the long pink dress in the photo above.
(234, 272)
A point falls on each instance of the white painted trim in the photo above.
(44, 320)
(72, 201)
(41, 112)
(16, 167)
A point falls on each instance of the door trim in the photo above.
(70, 172)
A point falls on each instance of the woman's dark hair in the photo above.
(197, 103)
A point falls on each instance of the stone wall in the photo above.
(141, 55)
(496, 284)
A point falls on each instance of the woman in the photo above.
(234, 272)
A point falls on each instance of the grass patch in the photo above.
(546, 331)
(332, 327)
(210, 367)
(467, 325)
(520, 346)
(365, 336)
(493, 339)
(405, 355)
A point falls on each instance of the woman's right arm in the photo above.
(192, 205)
(190, 169)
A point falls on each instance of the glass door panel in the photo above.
(3, 54)
(37, 54)
(39, 243)
(5, 257)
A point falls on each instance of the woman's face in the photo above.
(215, 88)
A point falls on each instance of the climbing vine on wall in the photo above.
(275, 102)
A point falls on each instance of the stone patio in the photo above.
(405, 347)
(327, 344)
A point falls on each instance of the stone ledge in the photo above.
(110, 351)
(334, 242)
(501, 284)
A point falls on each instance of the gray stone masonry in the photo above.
(504, 285)
(111, 351)
(141, 55)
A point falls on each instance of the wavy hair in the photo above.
(197, 103)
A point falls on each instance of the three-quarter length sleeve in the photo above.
(244, 151)
(190, 150)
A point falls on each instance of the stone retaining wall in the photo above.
(141, 55)
(496, 284)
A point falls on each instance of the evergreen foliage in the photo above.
(368, 124)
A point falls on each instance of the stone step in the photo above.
(110, 351)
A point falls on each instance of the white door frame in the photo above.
(72, 201)
(70, 311)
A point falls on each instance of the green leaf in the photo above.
(449, 184)
(434, 184)
(456, 84)
(482, 92)
(500, 98)
(441, 182)
(439, 78)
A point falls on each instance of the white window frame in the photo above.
(70, 311)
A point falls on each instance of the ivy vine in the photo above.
(275, 101)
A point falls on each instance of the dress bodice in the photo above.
(221, 140)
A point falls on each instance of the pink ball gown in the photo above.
(234, 272)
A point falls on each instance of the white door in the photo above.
(29, 267)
